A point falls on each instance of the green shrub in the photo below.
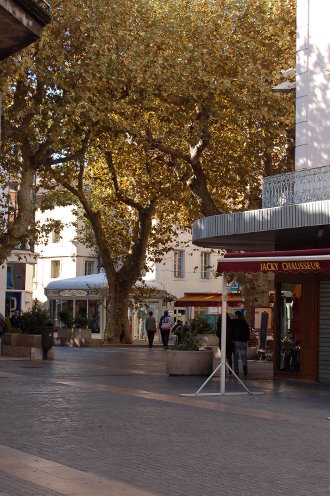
(9, 326)
(66, 317)
(80, 320)
(34, 320)
(189, 343)
(201, 325)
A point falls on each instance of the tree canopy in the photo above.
(150, 113)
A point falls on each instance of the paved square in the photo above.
(110, 422)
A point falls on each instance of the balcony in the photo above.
(21, 23)
(293, 188)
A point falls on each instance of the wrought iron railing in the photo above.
(301, 186)
(39, 9)
(44, 4)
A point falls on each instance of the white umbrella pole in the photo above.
(222, 366)
(223, 334)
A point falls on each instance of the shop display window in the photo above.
(290, 327)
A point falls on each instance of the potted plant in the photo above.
(66, 318)
(28, 342)
(81, 330)
(204, 331)
(186, 358)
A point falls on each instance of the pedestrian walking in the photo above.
(150, 326)
(47, 338)
(178, 331)
(229, 338)
(165, 324)
(241, 334)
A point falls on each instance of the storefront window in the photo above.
(54, 310)
(81, 313)
(290, 327)
(200, 311)
(93, 316)
(66, 314)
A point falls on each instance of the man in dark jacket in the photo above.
(47, 338)
(15, 320)
(241, 334)
(229, 338)
(150, 325)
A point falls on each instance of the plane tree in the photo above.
(151, 114)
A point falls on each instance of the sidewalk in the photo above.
(108, 421)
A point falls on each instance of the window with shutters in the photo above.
(205, 265)
(179, 263)
(55, 268)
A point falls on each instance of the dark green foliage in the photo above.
(34, 320)
(66, 317)
(80, 321)
(201, 325)
(190, 343)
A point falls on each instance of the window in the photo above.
(89, 267)
(56, 234)
(179, 263)
(205, 265)
(290, 326)
(55, 268)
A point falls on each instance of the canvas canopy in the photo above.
(206, 299)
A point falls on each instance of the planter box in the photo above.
(69, 333)
(32, 340)
(208, 339)
(65, 332)
(82, 333)
(23, 346)
(75, 337)
(15, 339)
(189, 362)
(10, 339)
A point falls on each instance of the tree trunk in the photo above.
(255, 291)
(117, 328)
(18, 228)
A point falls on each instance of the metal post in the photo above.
(223, 334)
(222, 366)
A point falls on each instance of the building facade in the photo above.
(63, 262)
(60, 255)
(290, 236)
(21, 23)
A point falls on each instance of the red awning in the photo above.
(305, 261)
(207, 300)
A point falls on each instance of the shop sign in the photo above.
(288, 262)
(69, 292)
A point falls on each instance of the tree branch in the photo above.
(76, 156)
(158, 145)
(122, 198)
(205, 135)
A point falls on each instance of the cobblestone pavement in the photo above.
(111, 421)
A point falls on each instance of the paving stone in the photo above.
(114, 413)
